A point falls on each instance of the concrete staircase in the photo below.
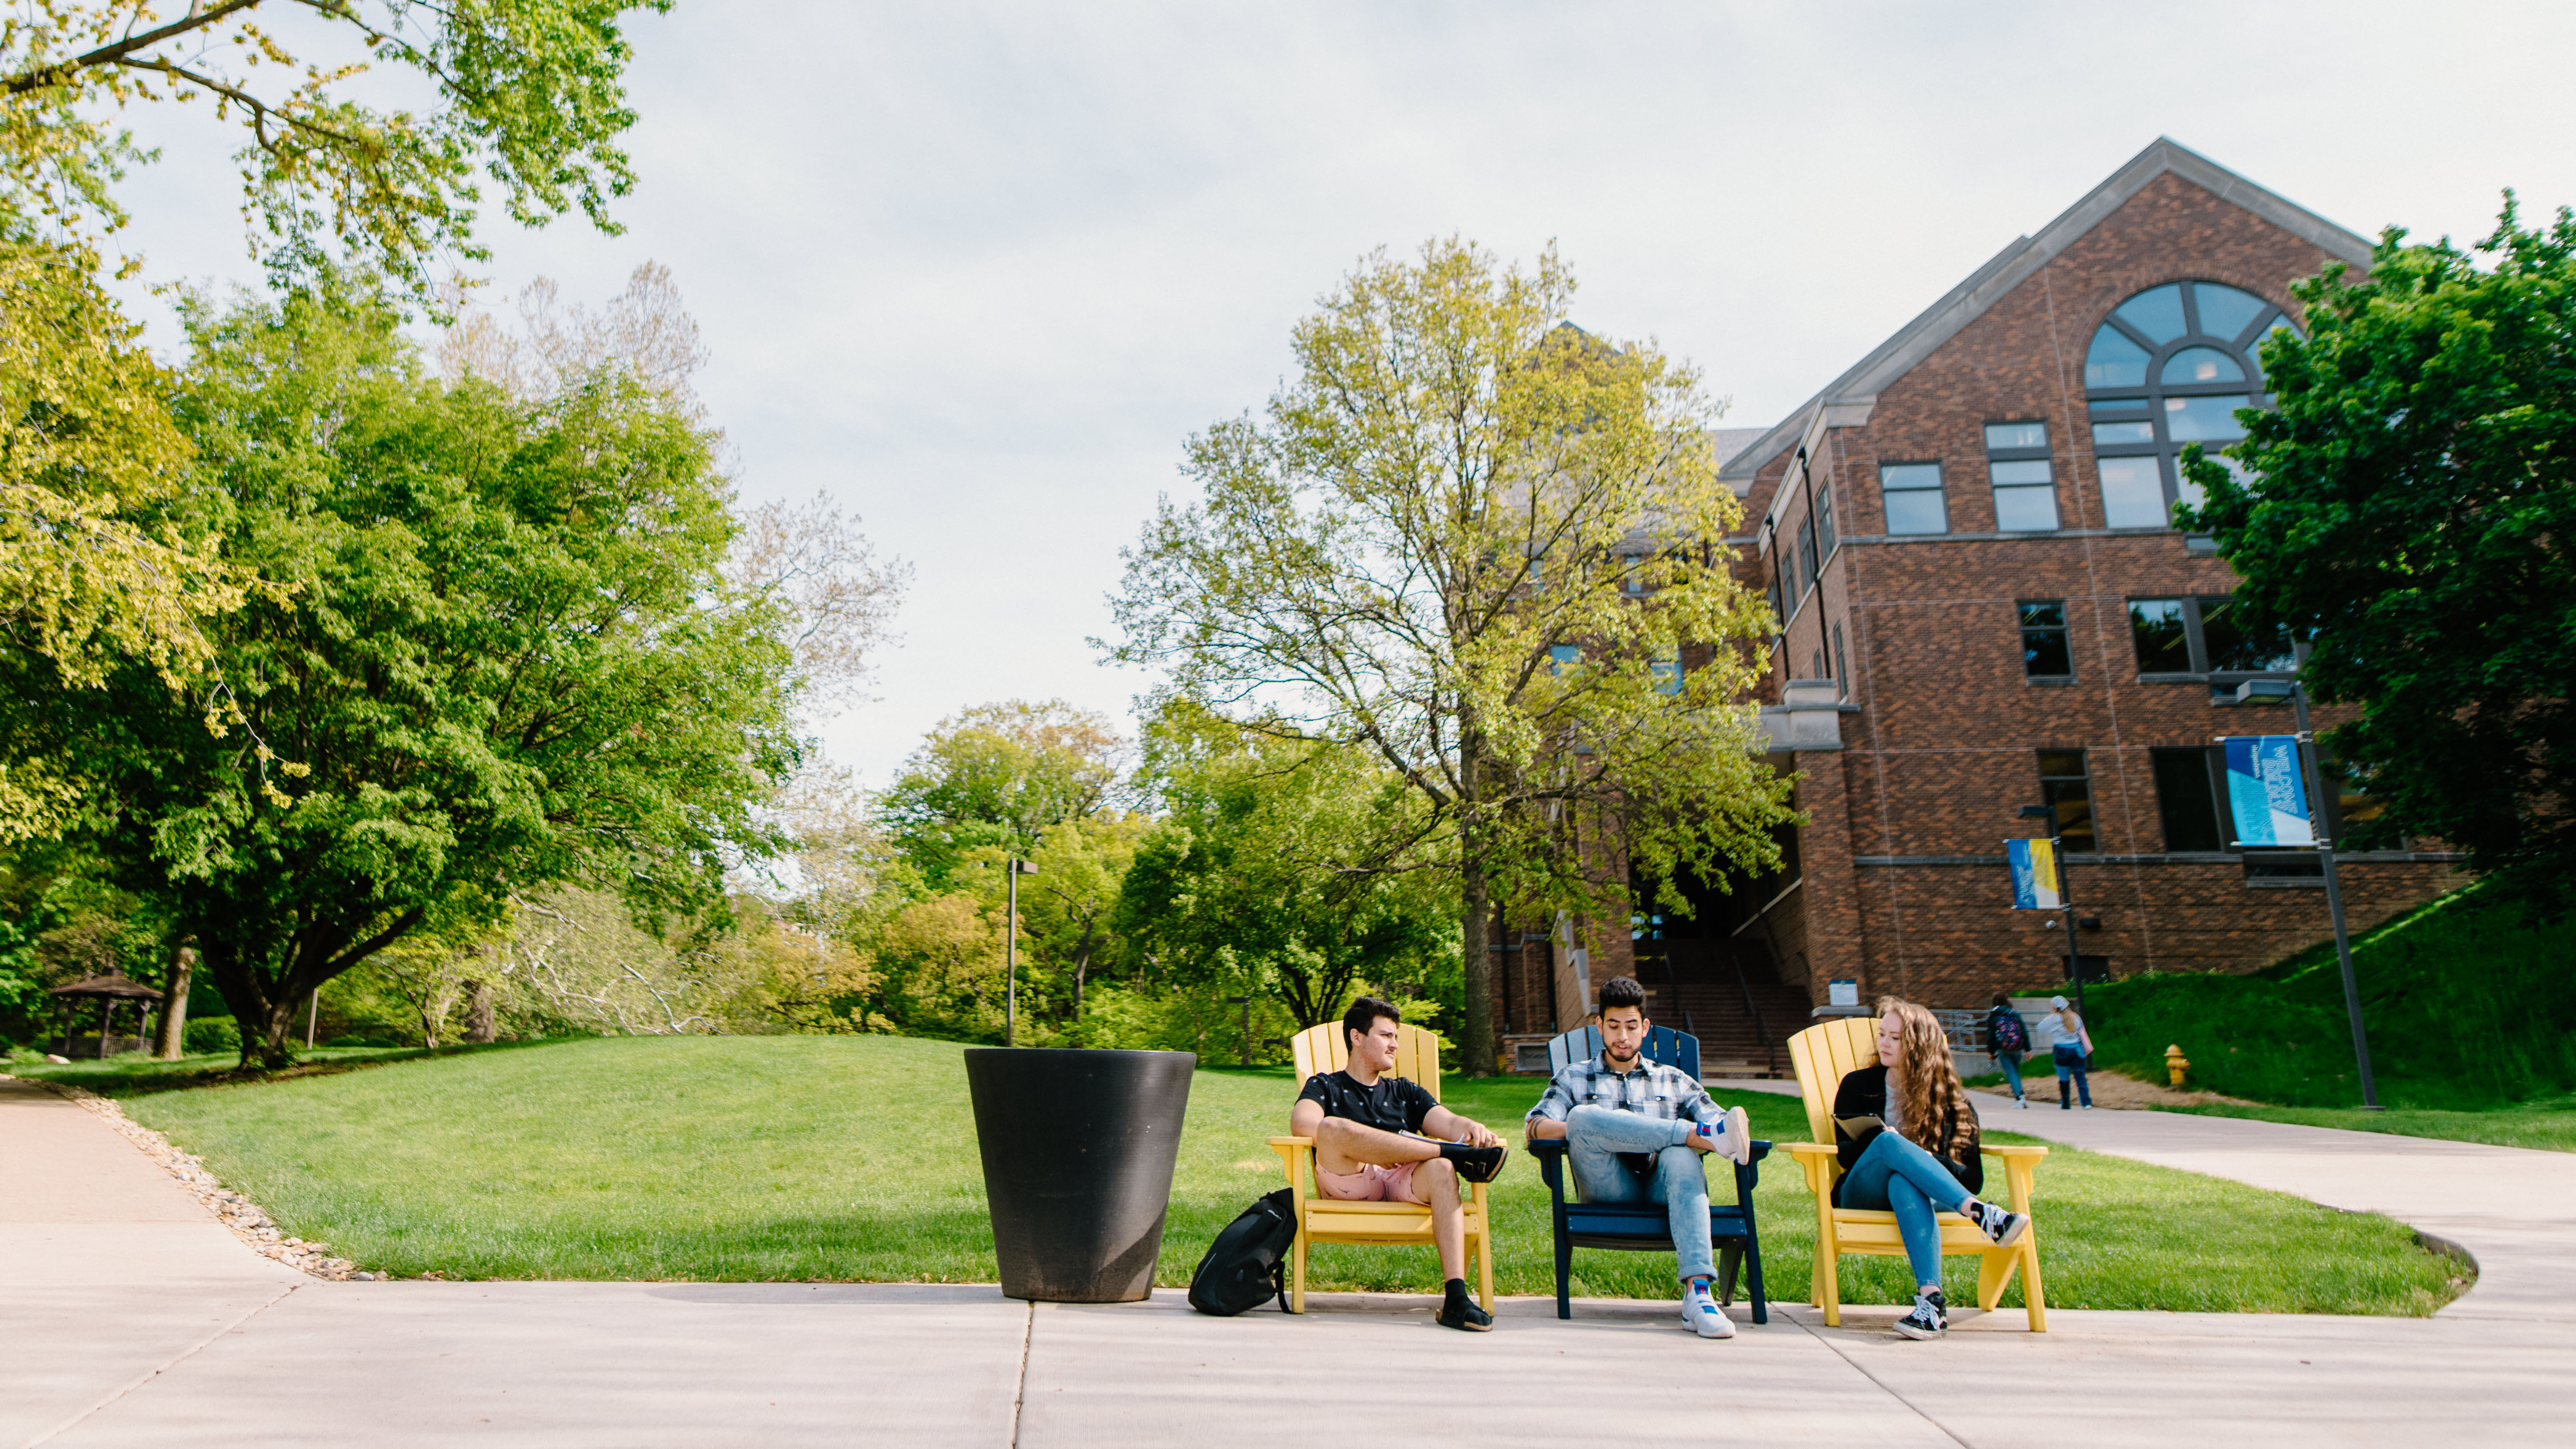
(1732, 1041)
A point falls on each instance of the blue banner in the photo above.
(2034, 874)
(2266, 791)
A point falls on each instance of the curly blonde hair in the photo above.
(1932, 1108)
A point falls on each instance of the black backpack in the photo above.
(1243, 1268)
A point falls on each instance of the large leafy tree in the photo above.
(993, 777)
(1240, 883)
(510, 658)
(527, 94)
(95, 564)
(1482, 547)
(2411, 507)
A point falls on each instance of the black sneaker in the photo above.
(1460, 1311)
(1930, 1318)
(2002, 1226)
(1476, 1164)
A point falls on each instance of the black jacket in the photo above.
(1864, 1094)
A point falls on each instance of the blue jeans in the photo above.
(1597, 1135)
(2070, 1062)
(2011, 1063)
(1894, 1175)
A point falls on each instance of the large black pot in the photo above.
(1078, 1151)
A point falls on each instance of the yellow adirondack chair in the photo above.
(1823, 1054)
(1327, 1220)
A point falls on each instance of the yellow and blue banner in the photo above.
(2266, 791)
(2034, 874)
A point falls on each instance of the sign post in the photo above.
(2276, 791)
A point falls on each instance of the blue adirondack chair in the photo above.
(1645, 1227)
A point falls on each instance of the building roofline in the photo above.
(1856, 391)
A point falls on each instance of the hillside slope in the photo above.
(2468, 1003)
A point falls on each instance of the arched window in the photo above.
(2171, 366)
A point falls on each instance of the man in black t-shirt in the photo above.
(1369, 1128)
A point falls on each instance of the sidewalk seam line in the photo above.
(1863, 1371)
(149, 1375)
(1019, 1396)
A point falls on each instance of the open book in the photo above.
(1859, 1126)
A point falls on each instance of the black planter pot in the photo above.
(1078, 1150)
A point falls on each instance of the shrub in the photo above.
(212, 1034)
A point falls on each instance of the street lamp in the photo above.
(2065, 894)
(1014, 868)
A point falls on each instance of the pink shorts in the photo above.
(1371, 1183)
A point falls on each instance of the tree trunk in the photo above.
(1476, 1047)
(268, 1022)
(479, 1007)
(173, 1040)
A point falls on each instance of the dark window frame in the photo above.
(2195, 645)
(2152, 393)
(2062, 628)
(2043, 453)
(1940, 491)
(2055, 794)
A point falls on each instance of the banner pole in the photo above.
(2312, 761)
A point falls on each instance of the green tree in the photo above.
(510, 659)
(529, 94)
(2411, 507)
(95, 564)
(1242, 881)
(1489, 551)
(994, 777)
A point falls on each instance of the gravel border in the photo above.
(247, 1221)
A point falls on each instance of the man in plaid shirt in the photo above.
(1636, 1131)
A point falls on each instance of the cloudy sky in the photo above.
(976, 269)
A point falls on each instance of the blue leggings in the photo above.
(1894, 1175)
(2011, 1063)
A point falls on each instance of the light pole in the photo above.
(2065, 895)
(1014, 868)
(2310, 765)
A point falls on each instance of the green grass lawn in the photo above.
(2549, 1124)
(853, 1158)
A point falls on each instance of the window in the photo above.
(1668, 675)
(2185, 800)
(1825, 539)
(2170, 366)
(2203, 636)
(2044, 651)
(2068, 795)
(1633, 566)
(1842, 665)
(1807, 553)
(1817, 670)
(1561, 655)
(2025, 490)
(1913, 494)
(1779, 615)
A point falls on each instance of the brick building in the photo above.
(1985, 607)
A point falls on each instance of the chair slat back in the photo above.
(1663, 1044)
(1823, 1055)
(1324, 1048)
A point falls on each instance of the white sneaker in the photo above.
(2021, 1104)
(1700, 1311)
(1731, 1138)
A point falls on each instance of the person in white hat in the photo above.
(2062, 1035)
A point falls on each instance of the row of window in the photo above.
(2191, 804)
(2168, 636)
(2171, 366)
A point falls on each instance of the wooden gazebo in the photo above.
(108, 991)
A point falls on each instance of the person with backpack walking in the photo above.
(2008, 1037)
(2062, 1032)
(1636, 1132)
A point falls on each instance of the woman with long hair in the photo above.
(1909, 1144)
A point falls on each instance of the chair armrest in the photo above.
(1550, 1153)
(2011, 1154)
(1822, 1165)
(2021, 1164)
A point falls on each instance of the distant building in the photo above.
(1985, 606)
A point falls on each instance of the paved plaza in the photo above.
(134, 1319)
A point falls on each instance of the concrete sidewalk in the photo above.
(2511, 1209)
(135, 1320)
